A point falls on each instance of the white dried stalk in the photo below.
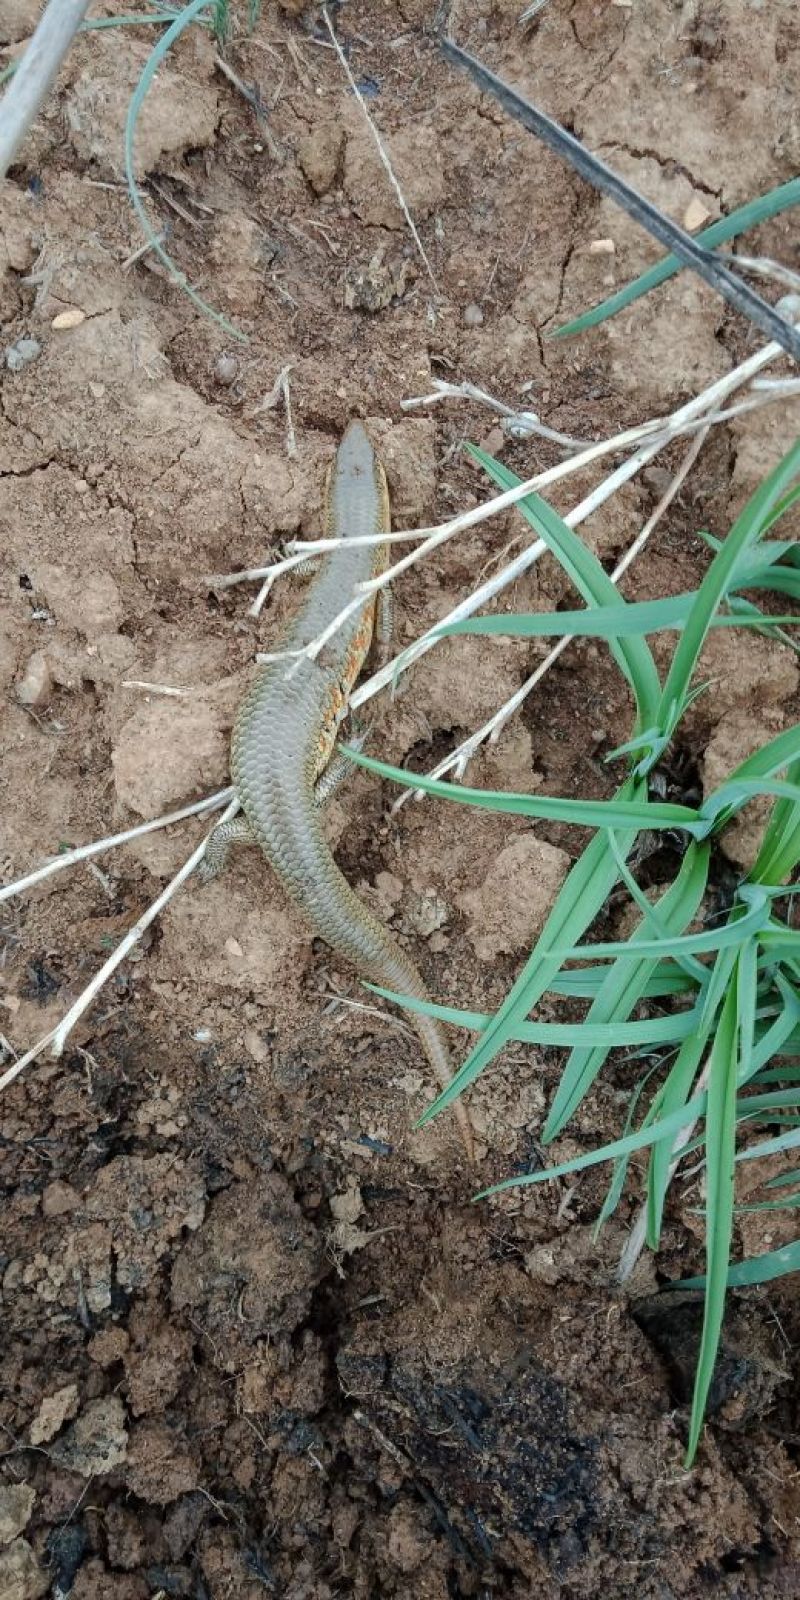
(46, 50)
(459, 759)
(691, 413)
(381, 148)
(84, 852)
(64, 1028)
(518, 424)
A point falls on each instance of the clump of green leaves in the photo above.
(729, 996)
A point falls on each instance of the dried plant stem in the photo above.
(84, 852)
(132, 937)
(34, 75)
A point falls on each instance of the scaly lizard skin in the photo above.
(284, 736)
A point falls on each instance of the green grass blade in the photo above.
(617, 813)
(617, 1035)
(789, 1203)
(783, 1178)
(759, 1269)
(633, 656)
(189, 14)
(771, 1147)
(624, 621)
(746, 530)
(727, 936)
(673, 1096)
(581, 896)
(666, 1128)
(624, 986)
(620, 1172)
(739, 221)
(720, 1153)
(584, 984)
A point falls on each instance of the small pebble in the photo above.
(602, 247)
(35, 686)
(473, 316)
(695, 215)
(19, 355)
(71, 318)
(226, 368)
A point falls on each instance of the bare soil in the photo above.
(256, 1340)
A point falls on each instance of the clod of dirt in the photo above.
(95, 1582)
(763, 675)
(372, 286)
(179, 113)
(746, 1377)
(89, 601)
(510, 906)
(35, 686)
(167, 752)
(736, 737)
(59, 1198)
(18, 20)
(251, 1269)
(155, 1365)
(21, 1576)
(241, 253)
(125, 1540)
(148, 1202)
(16, 1504)
(320, 153)
(160, 1465)
(408, 452)
(54, 1411)
(417, 164)
(97, 1442)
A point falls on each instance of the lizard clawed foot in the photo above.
(237, 831)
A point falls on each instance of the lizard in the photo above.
(282, 747)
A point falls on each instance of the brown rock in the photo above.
(35, 687)
(319, 154)
(16, 1505)
(53, 1412)
(98, 1442)
(21, 1576)
(507, 911)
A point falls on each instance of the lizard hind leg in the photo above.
(237, 831)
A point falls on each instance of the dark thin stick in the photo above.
(704, 262)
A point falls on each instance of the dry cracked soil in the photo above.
(256, 1339)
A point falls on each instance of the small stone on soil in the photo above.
(19, 355)
(16, 1505)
